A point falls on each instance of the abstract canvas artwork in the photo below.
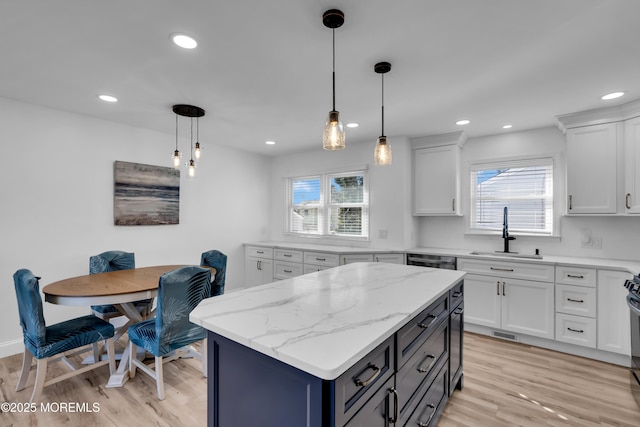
(145, 194)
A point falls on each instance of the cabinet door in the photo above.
(482, 300)
(614, 320)
(632, 166)
(377, 411)
(591, 169)
(389, 258)
(528, 307)
(257, 271)
(435, 181)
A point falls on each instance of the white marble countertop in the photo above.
(630, 266)
(316, 247)
(324, 322)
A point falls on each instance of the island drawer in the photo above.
(411, 336)
(421, 365)
(428, 409)
(579, 276)
(456, 295)
(577, 300)
(287, 255)
(323, 259)
(507, 269)
(259, 251)
(286, 270)
(362, 380)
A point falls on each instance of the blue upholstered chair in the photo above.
(55, 342)
(112, 261)
(217, 260)
(179, 292)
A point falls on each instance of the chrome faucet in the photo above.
(505, 231)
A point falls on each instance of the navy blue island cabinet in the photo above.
(406, 380)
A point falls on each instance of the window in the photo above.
(525, 187)
(332, 204)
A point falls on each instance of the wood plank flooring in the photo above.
(505, 384)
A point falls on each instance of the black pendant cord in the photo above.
(176, 132)
(191, 138)
(382, 75)
(333, 31)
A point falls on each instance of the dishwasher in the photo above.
(433, 261)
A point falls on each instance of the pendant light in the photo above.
(195, 151)
(382, 153)
(333, 137)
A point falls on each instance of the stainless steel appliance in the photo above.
(633, 301)
(434, 261)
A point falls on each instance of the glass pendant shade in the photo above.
(333, 137)
(177, 156)
(191, 169)
(197, 151)
(382, 154)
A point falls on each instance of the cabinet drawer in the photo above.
(287, 255)
(413, 334)
(576, 300)
(576, 330)
(389, 258)
(576, 276)
(362, 380)
(285, 270)
(456, 295)
(322, 259)
(420, 366)
(313, 268)
(507, 269)
(259, 251)
(349, 259)
(430, 407)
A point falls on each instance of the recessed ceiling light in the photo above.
(612, 95)
(507, 126)
(463, 122)
(352, 125)
(184, 41)
(108, 98)
(270, 142)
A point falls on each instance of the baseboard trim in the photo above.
(9, 348)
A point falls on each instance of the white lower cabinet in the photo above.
(258, 265)
(520, 306)
(614, 322)
(576, 330)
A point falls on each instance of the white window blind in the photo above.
(333, 204)
(525, 187)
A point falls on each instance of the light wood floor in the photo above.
(506, 384)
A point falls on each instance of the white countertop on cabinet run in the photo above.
(316, 247)
(324, 322)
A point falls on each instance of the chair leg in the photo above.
(159, 378)
(203, 356)
(96, 352)
(41, 373)
(26, 368)
(132, 358)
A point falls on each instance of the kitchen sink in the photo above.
(506, 255)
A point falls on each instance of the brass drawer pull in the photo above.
(428, 368)
(376, 372)
(426, 325)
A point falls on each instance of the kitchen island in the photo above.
(361, 344)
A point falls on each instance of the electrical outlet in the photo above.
(597, 242)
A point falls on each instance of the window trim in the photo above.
(324, 208)
(497, 163)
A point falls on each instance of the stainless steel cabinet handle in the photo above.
(459, 310)
(575, 300)
(456, 294)
(627, 201)
(433, 411)
(501, 269)
(426, 325)
(393, 419)
(570, 202)
(428, 368)
(575, 276)
(376, 372)
(580, 331)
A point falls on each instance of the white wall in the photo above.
(389, 191)
(619, 234)
(57, 203)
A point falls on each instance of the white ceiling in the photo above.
(262, 69)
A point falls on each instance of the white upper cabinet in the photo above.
(632, 165)
(436, 174)
(602, 160)
(591, 169)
